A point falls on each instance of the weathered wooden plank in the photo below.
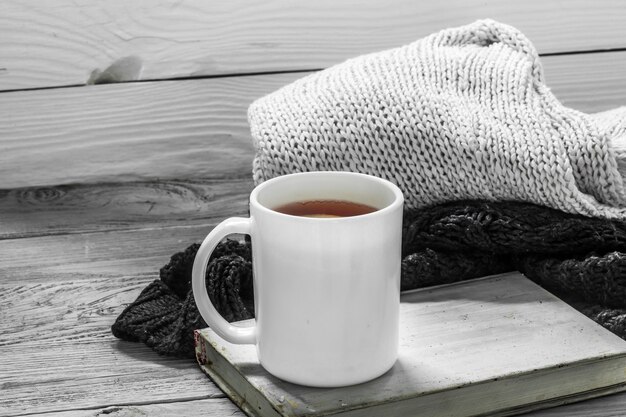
(213, 407)
(129, 132)
(60, 313)
(588, 82)
(106, 255)
(96, 207)
(58, 353)
(88, 375)
(193, 129)
(62, 42)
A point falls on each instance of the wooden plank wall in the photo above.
(100, 184)
(62, 42)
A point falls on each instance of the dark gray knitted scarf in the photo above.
(582, 260)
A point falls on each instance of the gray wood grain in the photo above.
(62, 42)
(77, 256)
(59, 296)
(72, 208)
(129, 132)
(193, 129)
(58, 353)
(210, 407)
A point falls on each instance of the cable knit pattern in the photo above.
(612, 123)
(579, 259)
(463, 113)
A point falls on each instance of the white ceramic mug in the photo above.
(326, 290)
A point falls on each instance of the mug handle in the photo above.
(228, 332)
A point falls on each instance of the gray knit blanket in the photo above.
(461, 114)
(497, 175)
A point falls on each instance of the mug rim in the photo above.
(397, 201)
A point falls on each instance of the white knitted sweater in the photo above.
(461, 114)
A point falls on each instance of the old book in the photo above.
(497, 345)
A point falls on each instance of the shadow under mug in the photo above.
(326, 290)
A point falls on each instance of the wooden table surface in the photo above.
(100, 184)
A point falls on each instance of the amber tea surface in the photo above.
(325, 208)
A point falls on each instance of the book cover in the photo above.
(498, 345)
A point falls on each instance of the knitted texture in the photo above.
(461, 114)
(580, 259)
(165, 315)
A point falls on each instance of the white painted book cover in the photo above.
(497, 345)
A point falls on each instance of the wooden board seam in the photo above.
(120, 230)
(114, 405)
(269, 73)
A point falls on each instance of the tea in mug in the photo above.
(325, 208)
